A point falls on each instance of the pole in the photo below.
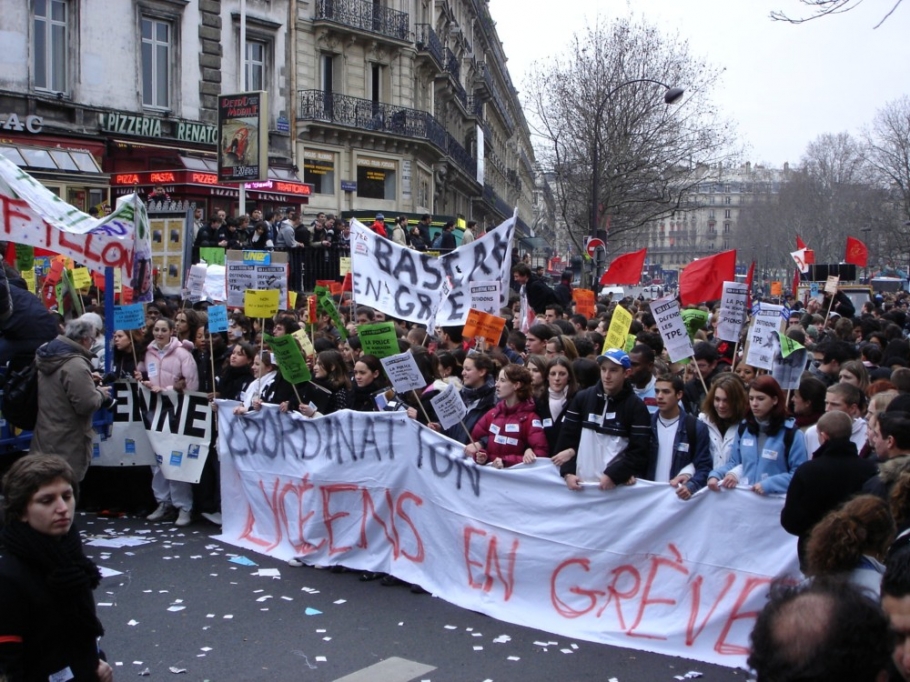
(700, 377)
(420, 404)
(241, 76)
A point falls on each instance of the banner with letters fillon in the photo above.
(380, 492)
(406, 284)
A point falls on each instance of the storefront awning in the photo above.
(49, 161)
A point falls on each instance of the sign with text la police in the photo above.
(243, 137)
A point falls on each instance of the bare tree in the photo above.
(888, 154)
(824, 8)
(602, 91)
(831, 196)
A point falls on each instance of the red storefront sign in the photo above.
(200, 182)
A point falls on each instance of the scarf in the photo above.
(472, 396)
(557, 401)
(70, 576)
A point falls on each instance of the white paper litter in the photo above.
(268, 573)
(514, 658)
(174, 669)
(175, 608)
(133, 622)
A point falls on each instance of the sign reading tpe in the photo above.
(593, 244)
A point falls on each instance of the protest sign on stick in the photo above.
(672, 330)
(485, 325)
(619, 327)
(378, 339)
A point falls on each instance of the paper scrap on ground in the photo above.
(268, 573)
(174, 669)
(502, 639)
(243, 561)
(108, 572)
(117, 542)
(310, 611)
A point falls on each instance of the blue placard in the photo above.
(813, 289)
(129, 316)
(218, 319)
(257, 258)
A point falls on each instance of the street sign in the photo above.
(594, 244)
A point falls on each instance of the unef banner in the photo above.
(32, 214)
(243, 134)
(379, 492)
(416, 287)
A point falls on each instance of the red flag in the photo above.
(703, 280)
(348, 283)
(626, 269)
(795, 287)
(857, 253)
(800, 244)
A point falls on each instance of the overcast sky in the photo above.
(784, 84)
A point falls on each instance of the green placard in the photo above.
(630, 343)
(378, 339)
(212, 255)
(291, 362)
(326, 304)
(788, 345)
(694, 319)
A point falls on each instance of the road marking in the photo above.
(393, 669)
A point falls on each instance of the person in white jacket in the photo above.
(724, 407)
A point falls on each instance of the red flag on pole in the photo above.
(626, 269)
(703, 280)
(348, 283)
(800, 244)
(857, 252)
(795, 288)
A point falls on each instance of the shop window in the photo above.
(50, 20)
(319, 170)
(376, 180)
(156, 63)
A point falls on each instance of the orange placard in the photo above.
(584, 302)
(777, 289)
(484, 324)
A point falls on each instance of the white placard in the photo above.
(672, 328)
(486, 296)
(403, 372)
(763, 340)
(733, 304)
(450, 408)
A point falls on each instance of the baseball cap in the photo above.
(617, 356)
(379, 216)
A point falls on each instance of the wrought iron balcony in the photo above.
(428, 41)
(365, 16)
(489, 83)
(475, 106)
(452, 65)
(364, 114)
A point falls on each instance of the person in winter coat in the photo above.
(25, 323)
(68, 397)
(559, 389)
(208, 235)
(399, 231)
(478, 393)
(539, 294)
(722, 411)
(511, 433)
(760, 455)
(48, 626)
(238, 374)
(169, 365)
(378, 226)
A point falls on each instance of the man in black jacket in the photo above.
(606, 436)
(208, 235)
(25, 323)
(537, 291)
(820, 485)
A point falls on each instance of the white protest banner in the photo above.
(449, 407)
(405, 283)
(180, 428)
(32, 214)
(788, 370)
(485, 296)
(733, 302)
(763, 340)
(672, 328)
(125, 442)
(403, 372)
(379, 492)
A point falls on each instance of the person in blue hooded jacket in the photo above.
(768, 447)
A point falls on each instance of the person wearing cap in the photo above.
(378, 226)
(606, 436)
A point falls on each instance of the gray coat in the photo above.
(67, 399)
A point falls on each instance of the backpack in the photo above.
(789, 435)
(20, 397)
(437, 242)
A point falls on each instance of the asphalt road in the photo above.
(181, 604)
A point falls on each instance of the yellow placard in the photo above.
(292, 300)
(305, 344)
(619, 328)
(344, 265)
(82, 278)
(29, 277)
(118, 280)
(260, 303)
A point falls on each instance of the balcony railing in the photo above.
(496, 95)
(475, 106)
(364, 114)
(428, 41)
(452, 65)
(365, 16)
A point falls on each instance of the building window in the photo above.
(376, 179)
(727, 200)
(156, 63)
(726, 228)
(711, 214)
(256, 52)
(727, 213)
(319, 169)
(50, 44)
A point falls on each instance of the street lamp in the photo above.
(671, 95)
